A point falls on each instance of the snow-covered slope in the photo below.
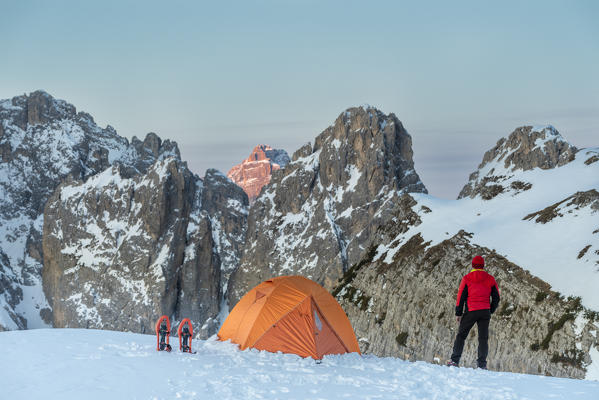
(550, 226)
(74, 364)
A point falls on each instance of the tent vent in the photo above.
(317, 321)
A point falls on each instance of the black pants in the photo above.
(482, 319)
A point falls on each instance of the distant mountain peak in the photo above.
(38, 107)
(255, 171)
(529, 147)
(263, 152)
(526, 148)
(154, 146)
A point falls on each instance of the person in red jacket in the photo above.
(480, 294)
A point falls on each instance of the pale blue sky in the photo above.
(221, 77)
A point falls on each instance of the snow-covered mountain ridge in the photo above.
(99, 232)
(44, 141)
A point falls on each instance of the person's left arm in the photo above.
(494, 296)
(461, 299)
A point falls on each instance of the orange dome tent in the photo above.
(291, 314)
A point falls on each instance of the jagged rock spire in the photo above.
(319, 214)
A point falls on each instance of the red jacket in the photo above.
(478, 291)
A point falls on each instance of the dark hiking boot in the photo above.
(452, 364)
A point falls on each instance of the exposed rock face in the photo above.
(526, 148)
(113, 248)
(119, 252)
(42, 108)
(404, 308)
(255, 171)
(321, 211)
(575, 202)
(130, 232)
(43, 142)
(227, 205)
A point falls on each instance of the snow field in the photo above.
(93, 364)
(549, 251)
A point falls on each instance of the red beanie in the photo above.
(478, 262)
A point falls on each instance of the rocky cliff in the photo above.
(227, 206)
(319, 213)
(119, 251)
(44, 141)
(404, 306)
(112, 248)
(255, 171)
(100, 232)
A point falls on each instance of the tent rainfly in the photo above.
(290, 314)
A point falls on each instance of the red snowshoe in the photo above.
(185, 333)
(163, 330)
